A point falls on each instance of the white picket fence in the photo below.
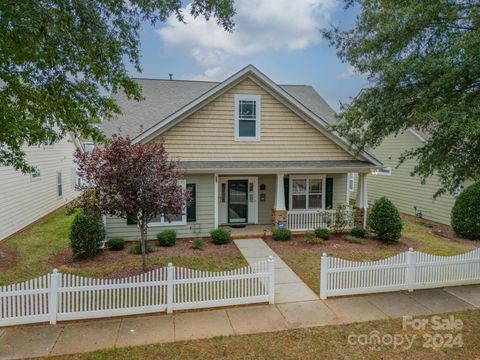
(406, 271)
(304, 220)
(56, 296)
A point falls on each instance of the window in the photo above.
(351, 181)
(75, 178)
(385, 171)
(59, 184)
(35, 176)
(247, 117)
(307, 192)
(168, 219)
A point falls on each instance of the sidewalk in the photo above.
(296, 307)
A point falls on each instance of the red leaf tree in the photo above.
(133, 180)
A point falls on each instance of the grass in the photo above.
(328, 342)
(307, 264)
(35, 246)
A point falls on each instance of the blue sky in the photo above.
(280, 37)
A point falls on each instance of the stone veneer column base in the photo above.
(279, 216)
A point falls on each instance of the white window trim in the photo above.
(162, 223)
(307, 177)
(36, 178)
(351, 178)
(387, 171)
(258, 105)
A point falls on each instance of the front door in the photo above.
(237, 201)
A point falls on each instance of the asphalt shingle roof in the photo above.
(164, 97)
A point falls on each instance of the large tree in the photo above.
(128, 180)
(422, 59)
(60, 59)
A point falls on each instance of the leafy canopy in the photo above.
(59, 60)
(423, 62)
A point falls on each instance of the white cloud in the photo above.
(260, 25)
(350, 72)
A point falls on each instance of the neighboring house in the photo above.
(254, 152)
(406, 191)
(26, 198)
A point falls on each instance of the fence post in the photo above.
(411, 261)
(170, 288)
(271, 280)
(323, 276)
(53, 296)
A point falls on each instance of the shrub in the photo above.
(167, 238)
(354, 239)
(385, 220)
(198, 244)
(358, 232)
(322, 233)
(137, 248)
(281, 234)
(86, 235)
(466, 213)
(220, 236)
(309, 237)
(116, 243)
(341, 220)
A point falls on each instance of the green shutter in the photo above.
(286, 187)
(329, 194)
(192, 207)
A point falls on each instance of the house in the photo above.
(27, 198)
(407, 192)
(253, 151)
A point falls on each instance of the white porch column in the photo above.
(362, 196)
(280, 193)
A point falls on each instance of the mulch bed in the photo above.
(8, 259)
(336, 243)
(183, 247)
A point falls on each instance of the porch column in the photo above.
(279, 211)
(362, 197)
(215, 201)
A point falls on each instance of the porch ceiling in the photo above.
(300, 166)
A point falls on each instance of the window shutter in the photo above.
(131, 220)
(286, 187)
(192, 207)
(329, 193)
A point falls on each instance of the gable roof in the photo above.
(169, 101)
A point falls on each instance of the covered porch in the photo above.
(253, 196)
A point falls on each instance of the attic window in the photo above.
(247, 117)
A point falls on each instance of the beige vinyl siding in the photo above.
(204, 215)
(265, 207)
(339, 189)
(404, 190)
(208, 134)
(24, 201)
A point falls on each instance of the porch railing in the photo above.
(304, 220)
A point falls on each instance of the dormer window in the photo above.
(247, 117)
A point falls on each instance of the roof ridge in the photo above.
(179, 80)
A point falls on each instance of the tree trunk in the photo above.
(143, 244)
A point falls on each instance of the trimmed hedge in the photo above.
(309, 237)
(322, 233)
(281, 234)
(385, 220)
(116, 243)
(198, 244)
(137, 248)
(167, 238)
(466, 213)
(358, 232)
(86, 235)
(220, 236)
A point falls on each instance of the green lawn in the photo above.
(328, 342)
(37, 246)
(307, 264)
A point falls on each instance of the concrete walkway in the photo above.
(288, 286)
(296, 307)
